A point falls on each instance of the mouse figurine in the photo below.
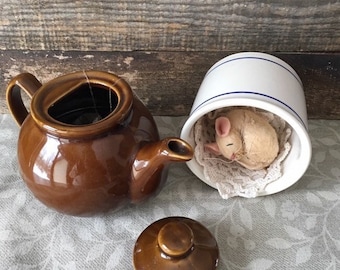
(245, 137)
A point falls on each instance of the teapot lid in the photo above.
(176, 243)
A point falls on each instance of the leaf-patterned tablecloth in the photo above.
(295, 229)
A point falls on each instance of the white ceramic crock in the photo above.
(262, 81)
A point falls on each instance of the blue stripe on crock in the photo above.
(255, 58)
(254, 93)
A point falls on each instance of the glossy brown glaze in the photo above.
(151, 162)
(175, 243)
(88, 144)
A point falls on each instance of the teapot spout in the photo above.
(149, 169)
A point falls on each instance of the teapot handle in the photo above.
(26, 82)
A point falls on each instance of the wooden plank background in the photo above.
(170, 25)
(167, 82)
(163, 48)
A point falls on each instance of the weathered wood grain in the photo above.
(167, 82)
(170, 25)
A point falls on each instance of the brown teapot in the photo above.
(88, 145)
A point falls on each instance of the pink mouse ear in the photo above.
(212, 148)
(222, 126)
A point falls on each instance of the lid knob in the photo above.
(175, 239)
(175, 243)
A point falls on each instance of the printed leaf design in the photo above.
(246, 218)
(26, 226)
(237, 230)
(84, 233)
(212, 206)
(9, 193)
(183, 191)
(48, 219)
(327, 141)
(320, 157)
(294, 232)
(99, 225)
(165, 130)
(279, 243)
(335, 172)
(70, 265)
(193, 212)
(310, 222)
(313, 199)
(232, 242)
(335, 153)
(249, 244)
(23, 247)
(158, 212)
(314, 184)
(66, 242)
(6, 235)
(328, 195)
(175, 209)
(303, 254)
(20, 200)
(95, 252)
(115, 258)
(260, 263)
(336, 244)
(270, 206)
(166, 121)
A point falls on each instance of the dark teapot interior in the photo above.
(85, 105)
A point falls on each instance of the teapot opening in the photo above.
(179, 147)
(85, 105)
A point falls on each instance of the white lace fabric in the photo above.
(230, 178)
